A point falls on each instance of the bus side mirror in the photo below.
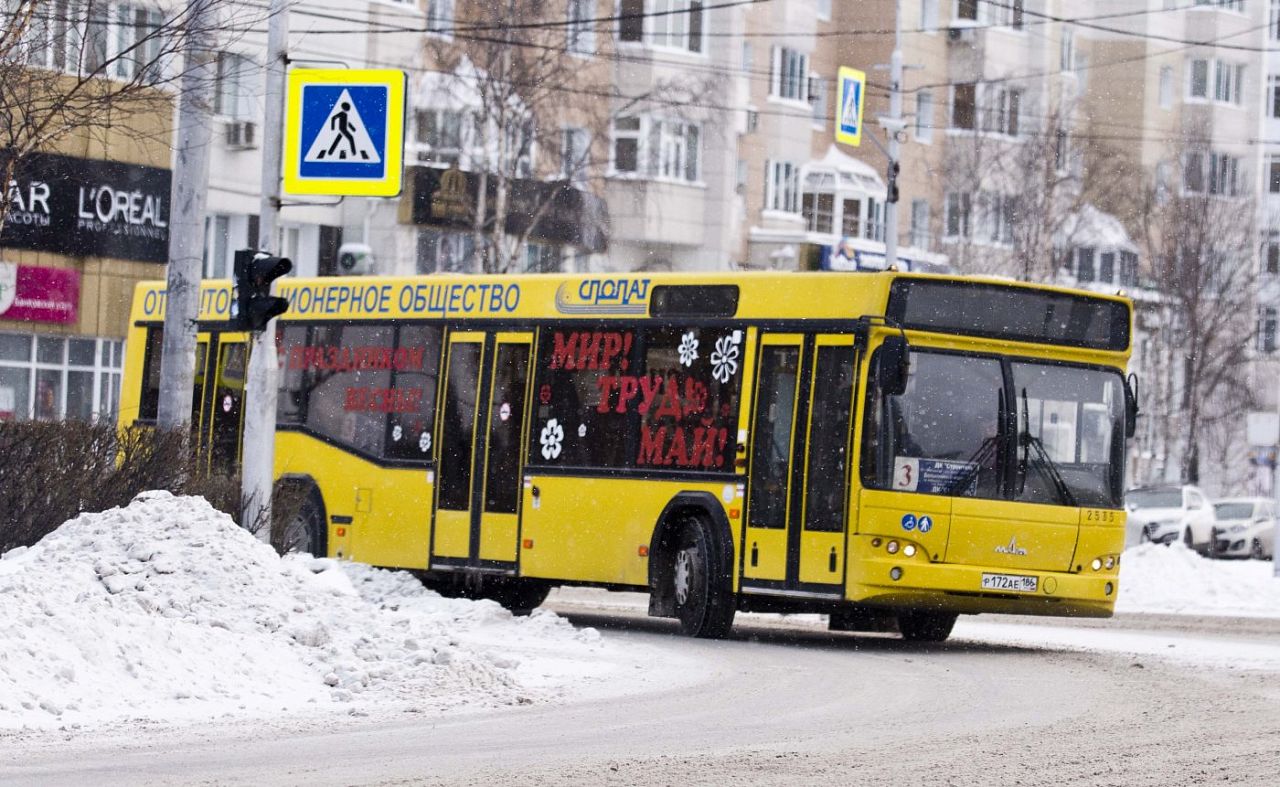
(1131, 408)
(892, 367)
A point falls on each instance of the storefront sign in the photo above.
(35, 294)
(88, 208)
(563, 214)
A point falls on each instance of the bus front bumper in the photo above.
(917, 582)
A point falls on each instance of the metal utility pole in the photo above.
(186, 220)
(258, 453)
(894, 126)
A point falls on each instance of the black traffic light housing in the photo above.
(893, 181)
(252, 304)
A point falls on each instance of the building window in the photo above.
(875, 219)
(1166, 87)
(924, 116)
(68, 378)
(138, 42)
(1230, 5)
(1193, 173)
(676, 145)
(674, 23)
(1226, 82)
(1016, 15)
(1273, 97)
(1107, 267)
(963, 105)
(438, 136)
(580, 36)
(782, 186)
(818, 99)
(541, 258)
(444, 251)
(967, 10)
(819, 212)
(788, 74)
(631, 21)
(233, 97)
(824, 10)
(575, 154)
(1224, 174)
(1067, 50)
(851, 218)
(1198, 83)
(1062, 150)
(958, 209)
(1273, 174)
(1003, 111)
(920, 223)
(928, 14)
(217, 246)
(440, 17)
(1162, 182)
(626, 144)
(1085, 271)
(996, 217)
(1271, 255)
(1128, 269)
(1274, 22)
(1267, 322)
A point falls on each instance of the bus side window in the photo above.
(149, 404)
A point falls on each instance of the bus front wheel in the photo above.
(703, 604)
(923, 626)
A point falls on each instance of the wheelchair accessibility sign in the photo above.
(344, 132)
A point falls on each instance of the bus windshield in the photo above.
(978, 426)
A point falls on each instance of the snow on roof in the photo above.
(854, 173)
(1092, 227)
(167, 610)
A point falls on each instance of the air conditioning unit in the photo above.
(961, 34)
(355, 259)
(242, 135)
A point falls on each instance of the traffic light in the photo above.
(252, 304)
(893, 181)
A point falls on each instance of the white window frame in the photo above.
(440, 18)
(1166, 87)
(960, 202)
(782, 187)
(579, 32)
(575, 154)
(929, 15)
(638, 134)
(675, 31)
(239, 71)
(106, 370)
(817, 91)
(788, 75)
(924, 116)
(427, 152)
(140, 26)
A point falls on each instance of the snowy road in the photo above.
(1136, 701)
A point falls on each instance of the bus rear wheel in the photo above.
(306, 531)
(703, 604)
(922, 626)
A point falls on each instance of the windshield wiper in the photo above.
(1044, 463)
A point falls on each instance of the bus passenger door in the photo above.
(798, 484)
(451, 539)
(777, 394)
(496, 528)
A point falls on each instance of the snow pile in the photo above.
(1174, 579)
(166, 610)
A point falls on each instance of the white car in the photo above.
(1246, 528)
(1172, 513)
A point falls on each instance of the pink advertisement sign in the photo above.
(38, 294)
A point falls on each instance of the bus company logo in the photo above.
(604, 296)
(1011, 548)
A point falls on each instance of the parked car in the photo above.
(1246, 528)
(1170, 513)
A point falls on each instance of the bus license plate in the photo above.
(1015, 582)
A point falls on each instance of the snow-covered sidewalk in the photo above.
(165, 610)
(1178, 581)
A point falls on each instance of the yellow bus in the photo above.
(891, 449)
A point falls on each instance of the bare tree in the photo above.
(538, 105)
(1200, 243)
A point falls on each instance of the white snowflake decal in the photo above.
(424, 442)
(582, 430)
(688, 349)
(552, 436)
(724, 359)
(396, 433)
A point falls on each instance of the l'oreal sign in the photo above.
(88, 208)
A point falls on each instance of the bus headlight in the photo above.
(1111, 563)
(892, 547)
(1096, 564)
(909, 550)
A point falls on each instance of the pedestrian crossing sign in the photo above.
(849, 102)
(344, 132)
